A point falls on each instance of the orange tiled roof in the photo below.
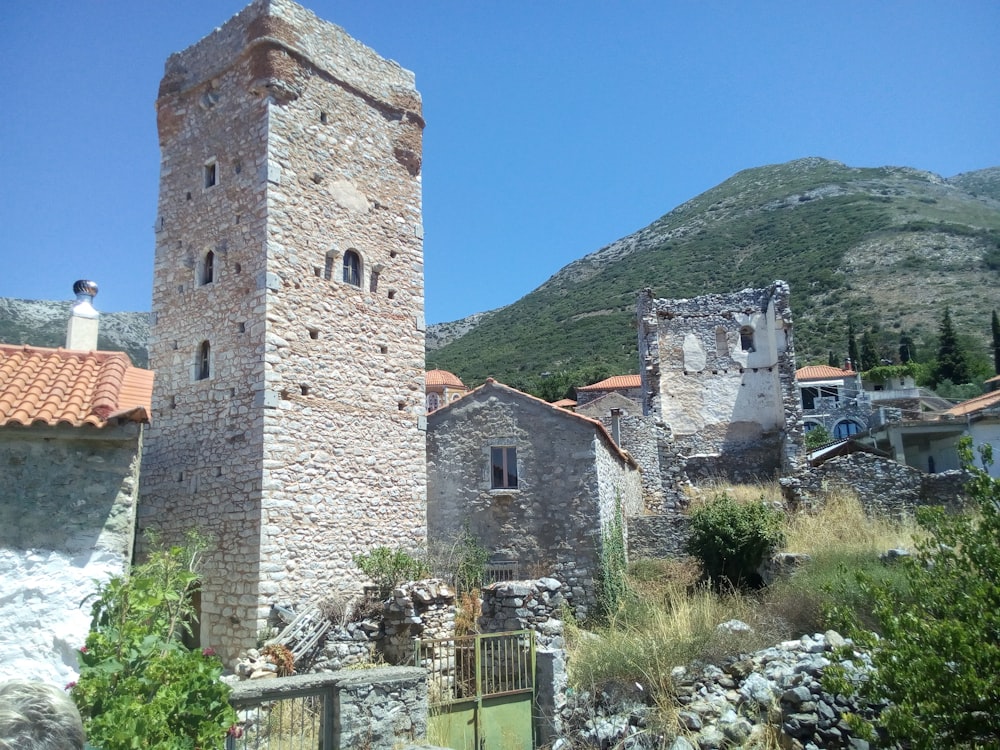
(975, 404)
(58, 386)
(614, 382)
(822, 372)
(564, 403)
(443, 377)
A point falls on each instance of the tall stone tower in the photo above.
(288, 330)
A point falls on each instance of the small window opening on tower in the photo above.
(241, 327)
(721, 342)
(189, 196)
(322, 117)
(391, 294)
(172, 402)
(373, 284)
(304, 389)
(352, 268)
(317, 272)
(383, 349)
(328, 266)
(314, 333)
(746, 339)
(203, 363)
(237, 268)
(393, 253)
(208, 268)
(210, 173)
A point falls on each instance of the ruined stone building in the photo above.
(288, 331)
(718, 372)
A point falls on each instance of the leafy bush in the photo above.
(139, 685)
(938, 657)
(732, 539)
(388, 568)
(817, 437)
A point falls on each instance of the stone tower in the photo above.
(288, 333)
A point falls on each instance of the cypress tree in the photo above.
(951, 362)
(832, 360)
(869, 352)
(907, 348)
(996, 342)
(852, 346)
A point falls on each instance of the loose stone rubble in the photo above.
(774, 692)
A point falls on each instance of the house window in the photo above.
(203, 364)
(503, 467)
(746, 339)
(433, 401)
(810, 426)
(208, 268)
(352, 268)
(845, 429)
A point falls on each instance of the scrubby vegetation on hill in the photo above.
(888, 248)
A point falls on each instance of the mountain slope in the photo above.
(888, 247)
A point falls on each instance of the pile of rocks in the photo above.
(775, 693)
(252, 665)
(348, 644)
(525, 605)
(421, 609)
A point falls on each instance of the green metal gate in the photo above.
(481, 689)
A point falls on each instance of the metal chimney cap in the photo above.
(83, 286)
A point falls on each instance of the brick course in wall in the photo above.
(287, 147)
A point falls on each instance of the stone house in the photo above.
(719, 372)
(629, 386)
(288, 314)
(834, 398)
(71, 425)
(537, 485)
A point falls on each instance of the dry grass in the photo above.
(840, 526)
(741, 493)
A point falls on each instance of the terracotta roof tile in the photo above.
(442, 377)
(614, 382)
(57, 386)
(822, 372)
(975, 404)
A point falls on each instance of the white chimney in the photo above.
(81, 333)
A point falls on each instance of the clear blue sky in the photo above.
(553, 128)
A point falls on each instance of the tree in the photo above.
(869, 352)
(907, 348)
(936, 659)
(951, 361)
(852, 346)
(832, 360)
(817, 437)
(995, 325)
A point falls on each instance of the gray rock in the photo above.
(679, 743)
(796, 696)
(757, 689)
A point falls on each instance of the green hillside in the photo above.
(888, 247)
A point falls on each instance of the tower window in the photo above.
(352, 268)
(328, 265)
(203, 363)
(210, 173)
(746, 339)
(208, 268)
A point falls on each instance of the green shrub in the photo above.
(938, 657)
(732, 539)
(388, 568)
(817, 437)
(139, 685)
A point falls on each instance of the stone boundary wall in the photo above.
(374, 708)
(883, 485)
(658, 536)
(417, 610)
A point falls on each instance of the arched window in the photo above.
(845, 429)
(433, 401)
(352, 268)
(746, 339)
(203, 363)
(208, 268)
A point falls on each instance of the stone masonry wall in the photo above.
(883, 486)
(67, 505)
(304, 445)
